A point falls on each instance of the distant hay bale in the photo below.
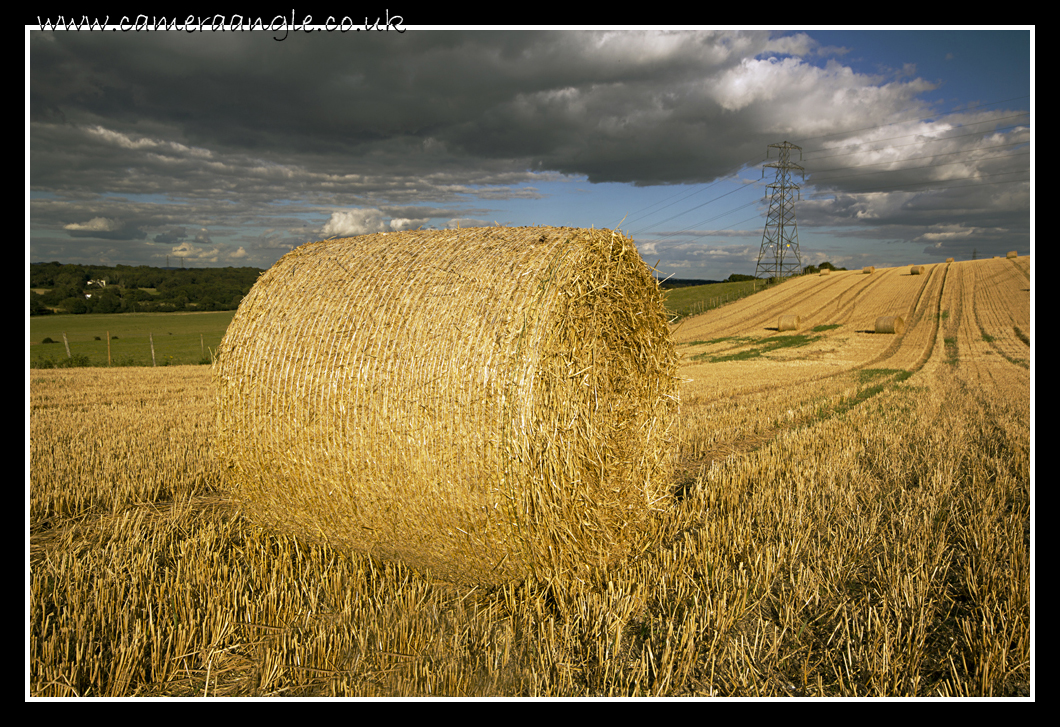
(483, 403)
(789, 323)
(869, 270)
(917, 270)
(890, 324)
(949, 260)
(1012, 253)
(826, 271)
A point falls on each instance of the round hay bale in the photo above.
(1012, 253)
(949, 260)
(890, 324)
(917, 270)
(789, 323)
(484, 403)
(869, 270)
(826, 271)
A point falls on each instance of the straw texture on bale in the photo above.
(869, 270)
(917, 270)
(1012, 253)
(484, 403)
(789, 323)
(890, 324)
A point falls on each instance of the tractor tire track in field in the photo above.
(917, 313)
(1023, 265)
(997, 316)
(735, 322)
(933, 310)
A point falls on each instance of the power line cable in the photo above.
(832, 193)
(676, 198)
(679, 214)
(719, 180)
(717, 217)
(974, 182)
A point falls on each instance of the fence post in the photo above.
(151, 338)
(108, 348)
(67, 345)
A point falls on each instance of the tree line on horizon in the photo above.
(738, 277)
(71, 288)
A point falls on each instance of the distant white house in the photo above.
(97, 283)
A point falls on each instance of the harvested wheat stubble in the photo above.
(890, 324)
(789, 323)
(917, 270)
(869, 270)
(484, 403)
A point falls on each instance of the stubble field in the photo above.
(852, 517)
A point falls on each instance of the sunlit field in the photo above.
(851, 517)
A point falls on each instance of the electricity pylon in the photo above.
(779, 256)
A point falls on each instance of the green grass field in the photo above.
(682, 302)
(179, 338)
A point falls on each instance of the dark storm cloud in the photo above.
(621, 106)
(137, 134)
(175, 235)
(624, 106)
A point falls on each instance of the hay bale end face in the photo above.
(789, 323)
(890, 324)
(484, 403)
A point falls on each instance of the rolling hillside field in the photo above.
(851, 515)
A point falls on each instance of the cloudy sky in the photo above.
(232, 148)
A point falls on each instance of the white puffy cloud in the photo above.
(350, 223)
(96, 224)
(404, 223)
